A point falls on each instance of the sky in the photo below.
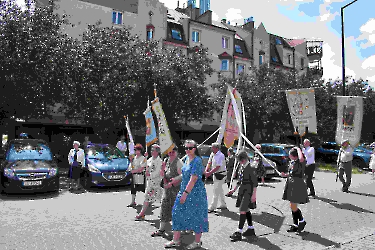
(311, 19)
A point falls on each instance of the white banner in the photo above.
(302, 109)
(165, 138)
(349, 119)
(131, 141)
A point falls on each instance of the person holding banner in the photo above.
(309, 153)
(246, 200)
(295, 189)
(137, 167)
(217, 165)
(153, 176)
(345, 159)
(190, 208)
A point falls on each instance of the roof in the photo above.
(274, 39)
(295, 42)
(176, 15)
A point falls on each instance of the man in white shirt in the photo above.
(216, 165)
(345, 159)
(121, 145)
(309, 153)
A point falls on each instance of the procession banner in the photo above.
(131, 141)
(223, 119)
(302, 109)
(349, 119)
(165, 138)
(150, 130)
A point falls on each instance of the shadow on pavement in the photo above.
(31, 196)
(149, 211)
(269, 220)
(228, 214)
(364, 194)
(261, 242)
(345, 206)
(313, 237)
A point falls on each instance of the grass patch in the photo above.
(333, 168)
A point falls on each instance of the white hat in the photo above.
(76, 142)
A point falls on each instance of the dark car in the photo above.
(105, 165)
(205, 152)
(329, 151)
(279, 153)
(28, 166)
(270, 171)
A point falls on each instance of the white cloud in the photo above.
(369, 63)
(233, 14)
(369, 26)
(215, 17)
(367, 34)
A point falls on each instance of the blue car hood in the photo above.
(30, 166)
(109, 165)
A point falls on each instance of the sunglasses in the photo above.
(189, 148)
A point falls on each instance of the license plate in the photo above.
(115, 177)
(32, 183)
(270, 171)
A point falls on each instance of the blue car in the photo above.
(278, 153)
(105, 165)
(329, 151)
(28, 166)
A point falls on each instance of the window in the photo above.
(196, 36)
(274, 59)
(176, 34)
(225, 65)
(225, 42)
(150, 34)
(116, 17)
(261, 59)
(278, 41)
(289, 59)
(302, 63)
(240, 68)
(238, 49)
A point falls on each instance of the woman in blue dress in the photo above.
(190, 210)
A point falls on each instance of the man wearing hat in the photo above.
(344, 160)
(76, 160)
(217, 165)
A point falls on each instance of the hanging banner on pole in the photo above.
(131, 141)
(151, 137)
(223, 119)
(349, 119)
(165, 138)
(302, 109)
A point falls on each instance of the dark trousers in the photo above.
(309, 172)
(345, 167)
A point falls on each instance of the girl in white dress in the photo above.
(372, 160)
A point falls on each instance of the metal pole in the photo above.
(343, 51)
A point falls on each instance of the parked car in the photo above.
(205, 152)
(329, 151)
(270, 171)
(279, 153)
(28, 166)
(105, 165)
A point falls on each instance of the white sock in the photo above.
(250, 227)
(302, 220)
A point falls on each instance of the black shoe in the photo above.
(292, 229)
(236, 236)
(132, 205)
(301, 226)
(249, 232)
(312, 194)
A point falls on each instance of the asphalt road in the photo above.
(99, 219)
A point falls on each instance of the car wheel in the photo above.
(358, 163)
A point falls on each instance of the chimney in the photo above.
(178, 4)
(248, 24)
(223, 20)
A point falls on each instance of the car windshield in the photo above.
(103, 152)
(29, 151)
(287, 149)
(364, 149)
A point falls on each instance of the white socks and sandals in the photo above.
(299, 222)
(250, 229)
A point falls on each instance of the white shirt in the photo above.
(80, 156)
(346, 154)
(154, 166)
(309, 153)
(372, 161)
(121, 146)
(218, 159)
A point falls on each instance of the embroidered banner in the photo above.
(165, 138)
(234, 119)
(150, 128)
(131, 141)
(349, 119)
(302, 109)
(223, 118)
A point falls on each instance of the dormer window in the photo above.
(274, 59)
(117, 17)
(278, 41)
(176, 34)
(238, 49)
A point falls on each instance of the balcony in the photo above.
(314, 53)
(318, 71)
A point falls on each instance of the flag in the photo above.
(349, 119)
(302, 109)
(223, 119)
(165, 138)
(131, 141)
(150, 128)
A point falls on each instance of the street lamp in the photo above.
(343, 45)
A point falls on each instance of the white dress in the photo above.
(153, 190)
(372, 161)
